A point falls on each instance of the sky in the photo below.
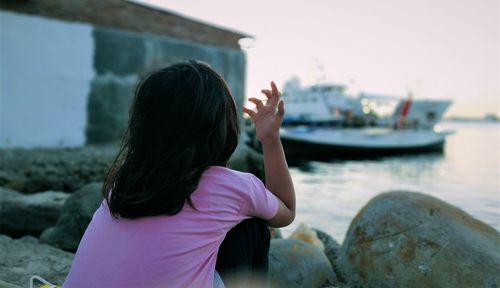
(438, 49)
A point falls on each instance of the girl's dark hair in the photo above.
(183, 120)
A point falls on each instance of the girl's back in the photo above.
(178, 250)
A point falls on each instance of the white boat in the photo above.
(327, 143)
(323, 122)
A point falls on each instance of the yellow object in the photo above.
(46, 284)
(304, 233)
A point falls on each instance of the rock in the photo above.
(304, 233)
(28, 239)
(275, 233)
(68, 169)
(75, 217)
(29, 214)
(294, 263)
(403, 239)
(8, 285)
(331, 250)
(19, 260)
(11, 179)
(54, 169)
(246, 159)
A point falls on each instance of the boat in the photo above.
(352, 143)
(323, 122)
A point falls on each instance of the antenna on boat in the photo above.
(317, 71)
(321, 74)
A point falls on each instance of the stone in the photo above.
(75, 217)
(28, 239)
(54, 169)
(294, 263)
(246, 159)
(331, 249)
(21, 259)
(276, 233)
(29, 214)
(11, 179)
(405, 239)
(68, 169)
(8, 285)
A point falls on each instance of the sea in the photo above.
(467, 175)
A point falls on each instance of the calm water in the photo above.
(467, 175)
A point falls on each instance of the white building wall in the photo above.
(46, 67)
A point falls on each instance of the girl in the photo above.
(169, 198)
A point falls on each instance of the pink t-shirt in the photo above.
(170, 251)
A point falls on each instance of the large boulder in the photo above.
(22, 258)
(54, 169)
(75, 217)
(295, 263)
(404, 239)
(29, 214)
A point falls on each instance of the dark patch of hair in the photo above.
(183, 119)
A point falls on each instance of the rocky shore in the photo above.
(399, 239)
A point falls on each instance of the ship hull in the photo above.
(359, 144)
(297, 149)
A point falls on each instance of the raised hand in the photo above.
(269, 116)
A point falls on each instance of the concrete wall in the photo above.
(69, 84)
(121, 58)
(46, 68)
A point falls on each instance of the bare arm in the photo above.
(268, 119)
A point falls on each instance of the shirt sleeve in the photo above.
(259, 201)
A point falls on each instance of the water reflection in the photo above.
(467, 175)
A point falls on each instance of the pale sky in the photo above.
(439, 49)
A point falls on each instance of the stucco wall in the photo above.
(67, 84)
(46, 68)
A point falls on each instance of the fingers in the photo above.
(273, 93)
(250, 112)
(281, 108)
(273, 96)
(268, 93)
(257, 102)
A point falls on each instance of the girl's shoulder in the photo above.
(230, 177)
(228, 172)
(252, 197)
